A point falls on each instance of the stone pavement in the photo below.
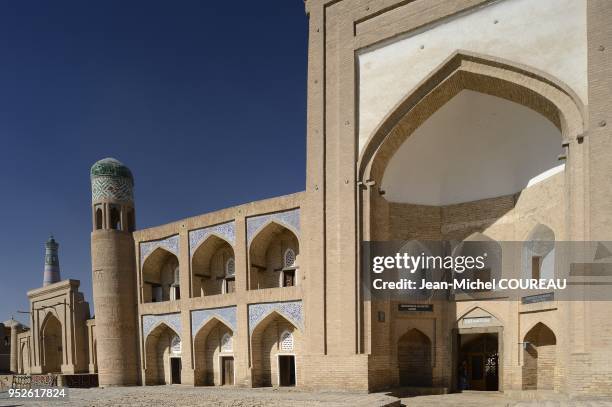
(169, 396)
(494, 399)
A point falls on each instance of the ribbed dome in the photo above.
(110, 167)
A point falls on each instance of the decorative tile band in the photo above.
(149, 322)
(171, 244)
(225, 230)
(118, 189)
(292, 310)
(200, 317)
(289, 218)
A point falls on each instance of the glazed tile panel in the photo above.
(292, 310)
(200, 317)
(290, 219)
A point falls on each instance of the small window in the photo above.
(98, 218)
(289, 260)
(6, 341)
(230, 267)
(175, 345)
(226, 343)
(536, 267)
(115, 218)
(286, 341)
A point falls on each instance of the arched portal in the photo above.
(274, 258)
(160, 275)
(453, 155)
(214, 354)
(478, 362)
(51, 345)
(275, 347)
(213, 268)
(163, 356)
(539, 356)
(414, 359)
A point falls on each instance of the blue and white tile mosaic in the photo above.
(289, 218)
(149, 322)
(292, 310)
(171, 244)
(225, 230)
(200, 317)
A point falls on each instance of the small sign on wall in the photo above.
(415, 307)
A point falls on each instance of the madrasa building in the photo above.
(470, 120)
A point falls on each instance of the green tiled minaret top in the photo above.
(111, 179)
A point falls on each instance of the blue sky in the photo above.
(204, 101)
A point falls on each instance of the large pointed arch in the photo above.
(52, 343)
(469, 71)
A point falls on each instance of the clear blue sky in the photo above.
(204, 101)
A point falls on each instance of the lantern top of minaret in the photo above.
(111, 180)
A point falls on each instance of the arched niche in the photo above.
(539, 253)
(269, 251)
(212, 344)
(275, 352)
(52, 344)
(161, 277)
(161, 354)
(539, 358)
(213, 267)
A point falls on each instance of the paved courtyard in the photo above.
(169, 396)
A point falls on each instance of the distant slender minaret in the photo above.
(52, 268)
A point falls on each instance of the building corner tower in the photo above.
(114, 273)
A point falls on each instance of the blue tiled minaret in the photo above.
(52, 268)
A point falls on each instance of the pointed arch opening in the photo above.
(214, 354)
(52, 344)
(539, 358)
(478, 245)
(274, 258)
(414, 359)
(455, 154)
(212, 268)
(161, 277)
(275, 348)
(163, 349)
(539, 253)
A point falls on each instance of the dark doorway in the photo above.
(414, 359)
(175, 368)
(227, 371)
(478, 362)
(286, 367)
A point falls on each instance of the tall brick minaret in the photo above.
(52, 267)
(114, 273)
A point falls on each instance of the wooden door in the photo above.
(227, 373)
